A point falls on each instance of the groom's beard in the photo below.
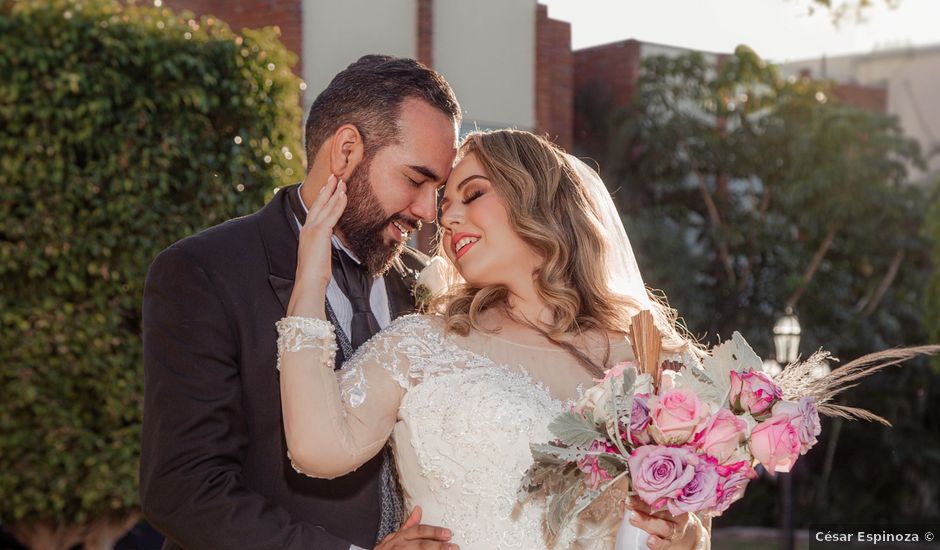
(364, 222)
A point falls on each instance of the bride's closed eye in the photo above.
(472, 196)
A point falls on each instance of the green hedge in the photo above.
(122, 129)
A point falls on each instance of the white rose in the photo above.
(437, 276)
(595, 400)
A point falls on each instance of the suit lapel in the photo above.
(279, 233)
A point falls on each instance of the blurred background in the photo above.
(776, 163)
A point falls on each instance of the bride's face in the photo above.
(478, 237)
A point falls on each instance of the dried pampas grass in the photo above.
(797, 380)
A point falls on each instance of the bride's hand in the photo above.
(315, 249)
(665, 530)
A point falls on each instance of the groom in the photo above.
(214, 466)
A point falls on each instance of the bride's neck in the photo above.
(525, 305)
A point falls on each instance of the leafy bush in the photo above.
(123, 129)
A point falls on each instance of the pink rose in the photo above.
(640, 420)
(754, 392)
(804, 417)
(590, 466)
(721, 435)
(675, 414)
(616, 371)
(775, 443)
(732, 481)
(659, 473)
(698, 494)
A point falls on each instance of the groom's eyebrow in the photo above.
(426, 172)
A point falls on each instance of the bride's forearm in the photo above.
(307, 300)
(319, 436)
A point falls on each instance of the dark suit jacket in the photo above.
(214, 469)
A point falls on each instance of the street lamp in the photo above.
(787, 343)
(787, 338)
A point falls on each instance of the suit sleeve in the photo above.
(194, 427)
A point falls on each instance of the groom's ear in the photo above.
(346, 151)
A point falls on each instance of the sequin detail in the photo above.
(297, 333)
(470, 422)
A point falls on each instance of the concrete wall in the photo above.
(337, 33)
(486, 50)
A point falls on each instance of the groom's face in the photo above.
(392, 192)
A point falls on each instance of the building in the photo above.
(528, 88)
(908, 81)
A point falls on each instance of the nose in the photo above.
(450, 218)
(424, 207)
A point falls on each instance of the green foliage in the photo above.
(744, 192)
(124, 129)
(840, 10)
(932, 294)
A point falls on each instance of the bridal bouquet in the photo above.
(688, 436)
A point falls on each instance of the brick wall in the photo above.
(611, 70)
(604, 76)
(554, 78)
(426, 32)
(866, 98)
(287, 15)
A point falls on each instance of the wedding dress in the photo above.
(461, 413)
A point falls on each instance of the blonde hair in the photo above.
(551, 210)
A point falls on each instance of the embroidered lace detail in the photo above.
(412, 348)
(297, 333)
(469, 424)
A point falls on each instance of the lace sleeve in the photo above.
(408, 350)
(327, 437)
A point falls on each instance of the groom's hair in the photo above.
(369, 94)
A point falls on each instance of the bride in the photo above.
(550, 285)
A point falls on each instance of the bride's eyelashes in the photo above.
(472, 196)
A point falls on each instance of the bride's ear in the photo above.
(346, 151)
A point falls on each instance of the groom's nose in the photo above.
(424, 205)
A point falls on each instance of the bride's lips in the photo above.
(455, 242)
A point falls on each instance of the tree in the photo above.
(745, 193)
(840, 10)
(124, 129)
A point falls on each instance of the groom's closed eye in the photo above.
(425, 173)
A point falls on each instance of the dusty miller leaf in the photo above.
(713, 382)
(561, 507)
(574, 430)
(548, 452)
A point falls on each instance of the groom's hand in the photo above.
(414, 535)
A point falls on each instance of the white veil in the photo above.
(624, 273)
(625, 280)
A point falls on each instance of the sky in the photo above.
(778, 30)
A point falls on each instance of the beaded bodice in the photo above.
(463, 433)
